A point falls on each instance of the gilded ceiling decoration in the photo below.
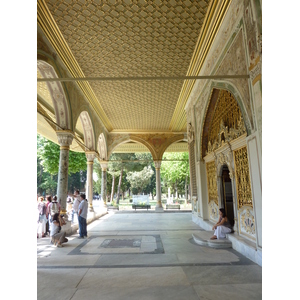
(132, 38)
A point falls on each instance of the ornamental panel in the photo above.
(243, 184)
(211, 171)
(227, 123)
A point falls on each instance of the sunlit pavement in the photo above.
(143, 255)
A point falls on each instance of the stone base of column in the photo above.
(159, 209)
(67, 228)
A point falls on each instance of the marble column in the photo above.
(159, 206)
(104, 165)
(65, 139)
(90, 156)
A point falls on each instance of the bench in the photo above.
(111, 207)
(139, 206)
(173, 206)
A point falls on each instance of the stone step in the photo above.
(203, 238)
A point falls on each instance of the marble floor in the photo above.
(142, 255)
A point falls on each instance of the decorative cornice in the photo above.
(53, 34)
(210, 28)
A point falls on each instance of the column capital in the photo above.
(103, 164)
(90, 155)
(65, 138)
(157, 164)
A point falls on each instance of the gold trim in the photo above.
(90, 162)
(257, 78)
(252, 66)
(210, 28)
(64, 147)
(53, 34)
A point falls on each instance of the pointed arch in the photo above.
(221, 124)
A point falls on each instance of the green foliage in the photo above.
(140, 180)
(49, 184)
(97, 184)
(174, 173)
(48, 153)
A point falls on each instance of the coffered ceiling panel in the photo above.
(131, 38)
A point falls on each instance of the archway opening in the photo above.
(227, 195)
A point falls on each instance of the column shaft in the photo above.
(158, 185)
(65, 140)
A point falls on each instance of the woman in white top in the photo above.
(57, 238)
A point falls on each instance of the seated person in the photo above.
(57, 238)
(222, 227)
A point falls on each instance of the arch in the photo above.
(127, 139)
(88, 130)
(169, 142)
(218, 89)
(102, 148)
(57, 93)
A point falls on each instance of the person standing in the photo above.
(49, 200)
(53, 208)
(82, 216)
(41, 207)
(75, 205)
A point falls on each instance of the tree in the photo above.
(175, 173)
(140, 180)
(120, 162)
(48, 153)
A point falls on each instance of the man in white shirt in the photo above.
(75, 205)
(82, 216)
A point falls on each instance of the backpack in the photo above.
(42, 209)
(54, 208)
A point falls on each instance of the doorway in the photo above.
(227, 194)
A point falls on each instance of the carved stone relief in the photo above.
(213, 210)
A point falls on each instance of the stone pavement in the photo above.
(143, 256)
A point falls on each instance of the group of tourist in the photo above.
(49, 219)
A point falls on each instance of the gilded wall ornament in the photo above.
(211, 172)
(242, 174)
(227, 123)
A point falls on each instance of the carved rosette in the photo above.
(247, 222)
